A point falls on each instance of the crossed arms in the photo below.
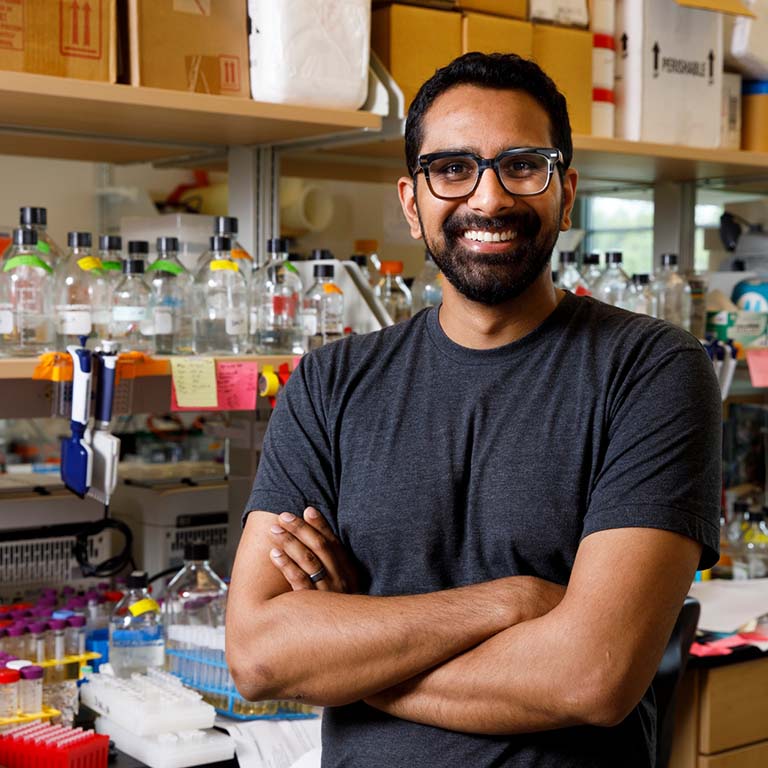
(508, 656)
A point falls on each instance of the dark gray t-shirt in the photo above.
(440, 466)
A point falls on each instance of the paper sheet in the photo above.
(728, 605)
(194, 382)
(275, 743)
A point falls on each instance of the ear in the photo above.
(569, 196)
(406, 190)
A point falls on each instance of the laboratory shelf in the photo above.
(65, 118)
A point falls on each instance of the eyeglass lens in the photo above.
(523, 174)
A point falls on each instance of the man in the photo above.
(492, 512)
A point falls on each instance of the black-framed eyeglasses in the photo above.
(521, 171)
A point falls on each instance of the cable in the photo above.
(166, 572)
(113, 565)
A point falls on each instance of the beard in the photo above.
(493, 278)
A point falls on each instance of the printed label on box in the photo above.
(80, 28)
(12, 24)
(229, 73)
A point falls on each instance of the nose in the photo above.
(490, 198)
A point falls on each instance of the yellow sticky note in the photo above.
(194, 381)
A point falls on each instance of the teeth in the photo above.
(483, 236)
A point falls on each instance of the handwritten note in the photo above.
(237, 382)
(757, 360)
(193, 382)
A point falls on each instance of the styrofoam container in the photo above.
(310, 52)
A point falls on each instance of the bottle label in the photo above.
(43, 247)
(219, 264)
(332, 288)
(236, 323)
(6, 321)
(129, 314)
(111, 266)
(163, 321)
(73, 320)
(164, 265)
(309, 321)
(27, 260)
(253, 326)
(239, 253)
(290, 268)
(144, 606)
(87, 263)
(101, 316)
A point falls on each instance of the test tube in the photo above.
(15, 640)
(37, 630)
(31, 689)
(75, 635)
(9, 692)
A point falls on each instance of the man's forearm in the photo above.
(331, 648)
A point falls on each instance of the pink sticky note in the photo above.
(699, 649)
(237, 382)
(757, 360)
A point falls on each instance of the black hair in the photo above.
(500, 71)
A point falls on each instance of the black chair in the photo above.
(669, 674)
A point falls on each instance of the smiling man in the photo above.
(470, 534)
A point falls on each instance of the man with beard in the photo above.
(470, 534)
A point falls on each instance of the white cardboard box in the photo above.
(567, 13)
(669, 67)
(730, 112)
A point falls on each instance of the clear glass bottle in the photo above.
(613, 286)
(221, 303)
(131, 323)
(196, 595)
(750, 560)
(371, 249)
(570, 277)
(393, 292)
(590, 269)
(136, 639)
(31, 283)
(73, 288)
(171, 300)
(276, 294)
(673, 292)
(227, 226)
(427, 288)
(362, 264)
(111, 255)
(34, 218)
(323, 309)
(104, 282)
(645, 302)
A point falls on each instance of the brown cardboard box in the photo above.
(490, 34)
(517, 9)
(190, 45)
(566, 56)
(59, 37)
(413, 42)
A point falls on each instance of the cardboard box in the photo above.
(754, 116)
(516, 9)
(59, 37)
(566, 56)
(569, 13)
(490, 34)
(730, 112)
(669, 69)
(413, 42)
(190, 45)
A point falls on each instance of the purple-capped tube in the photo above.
(75, 635)
(31, 689)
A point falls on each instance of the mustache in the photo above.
(527, 224)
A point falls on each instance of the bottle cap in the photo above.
(391, 268)
(78, 620)
(165, 244)
(138, 246)
(360, 259)
(740, 506)
(642, 278)
(196, 550)
(614, 257)
(568, 257)
(57, 624)
(591, 258)
(9, 676)
(110, 243)
(277, 245)
(669, 259)
(320, 253)
(24, 237)
(137, 580)
(225, 225)
(31, 672)
(294, 257)
(221, 243)
(79, 239)
(133, 266)
(366, 246)
(37, 627)
(323, 270)
(29, 215)
(18, 664)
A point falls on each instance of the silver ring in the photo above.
(318, 575)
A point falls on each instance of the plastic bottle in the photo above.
(31, 283)
(171, 300)
(427, 288)
(672, 292)
(135, 630)
(590, 270)
(131, 325)
(37, 219)
(276, 294)
(221, 303)
(73, 287)
(570, 277)
(393, 292)
(323, 309)
(613, 286)
(196, 595)
(645, 301)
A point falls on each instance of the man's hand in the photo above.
(308, 546)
